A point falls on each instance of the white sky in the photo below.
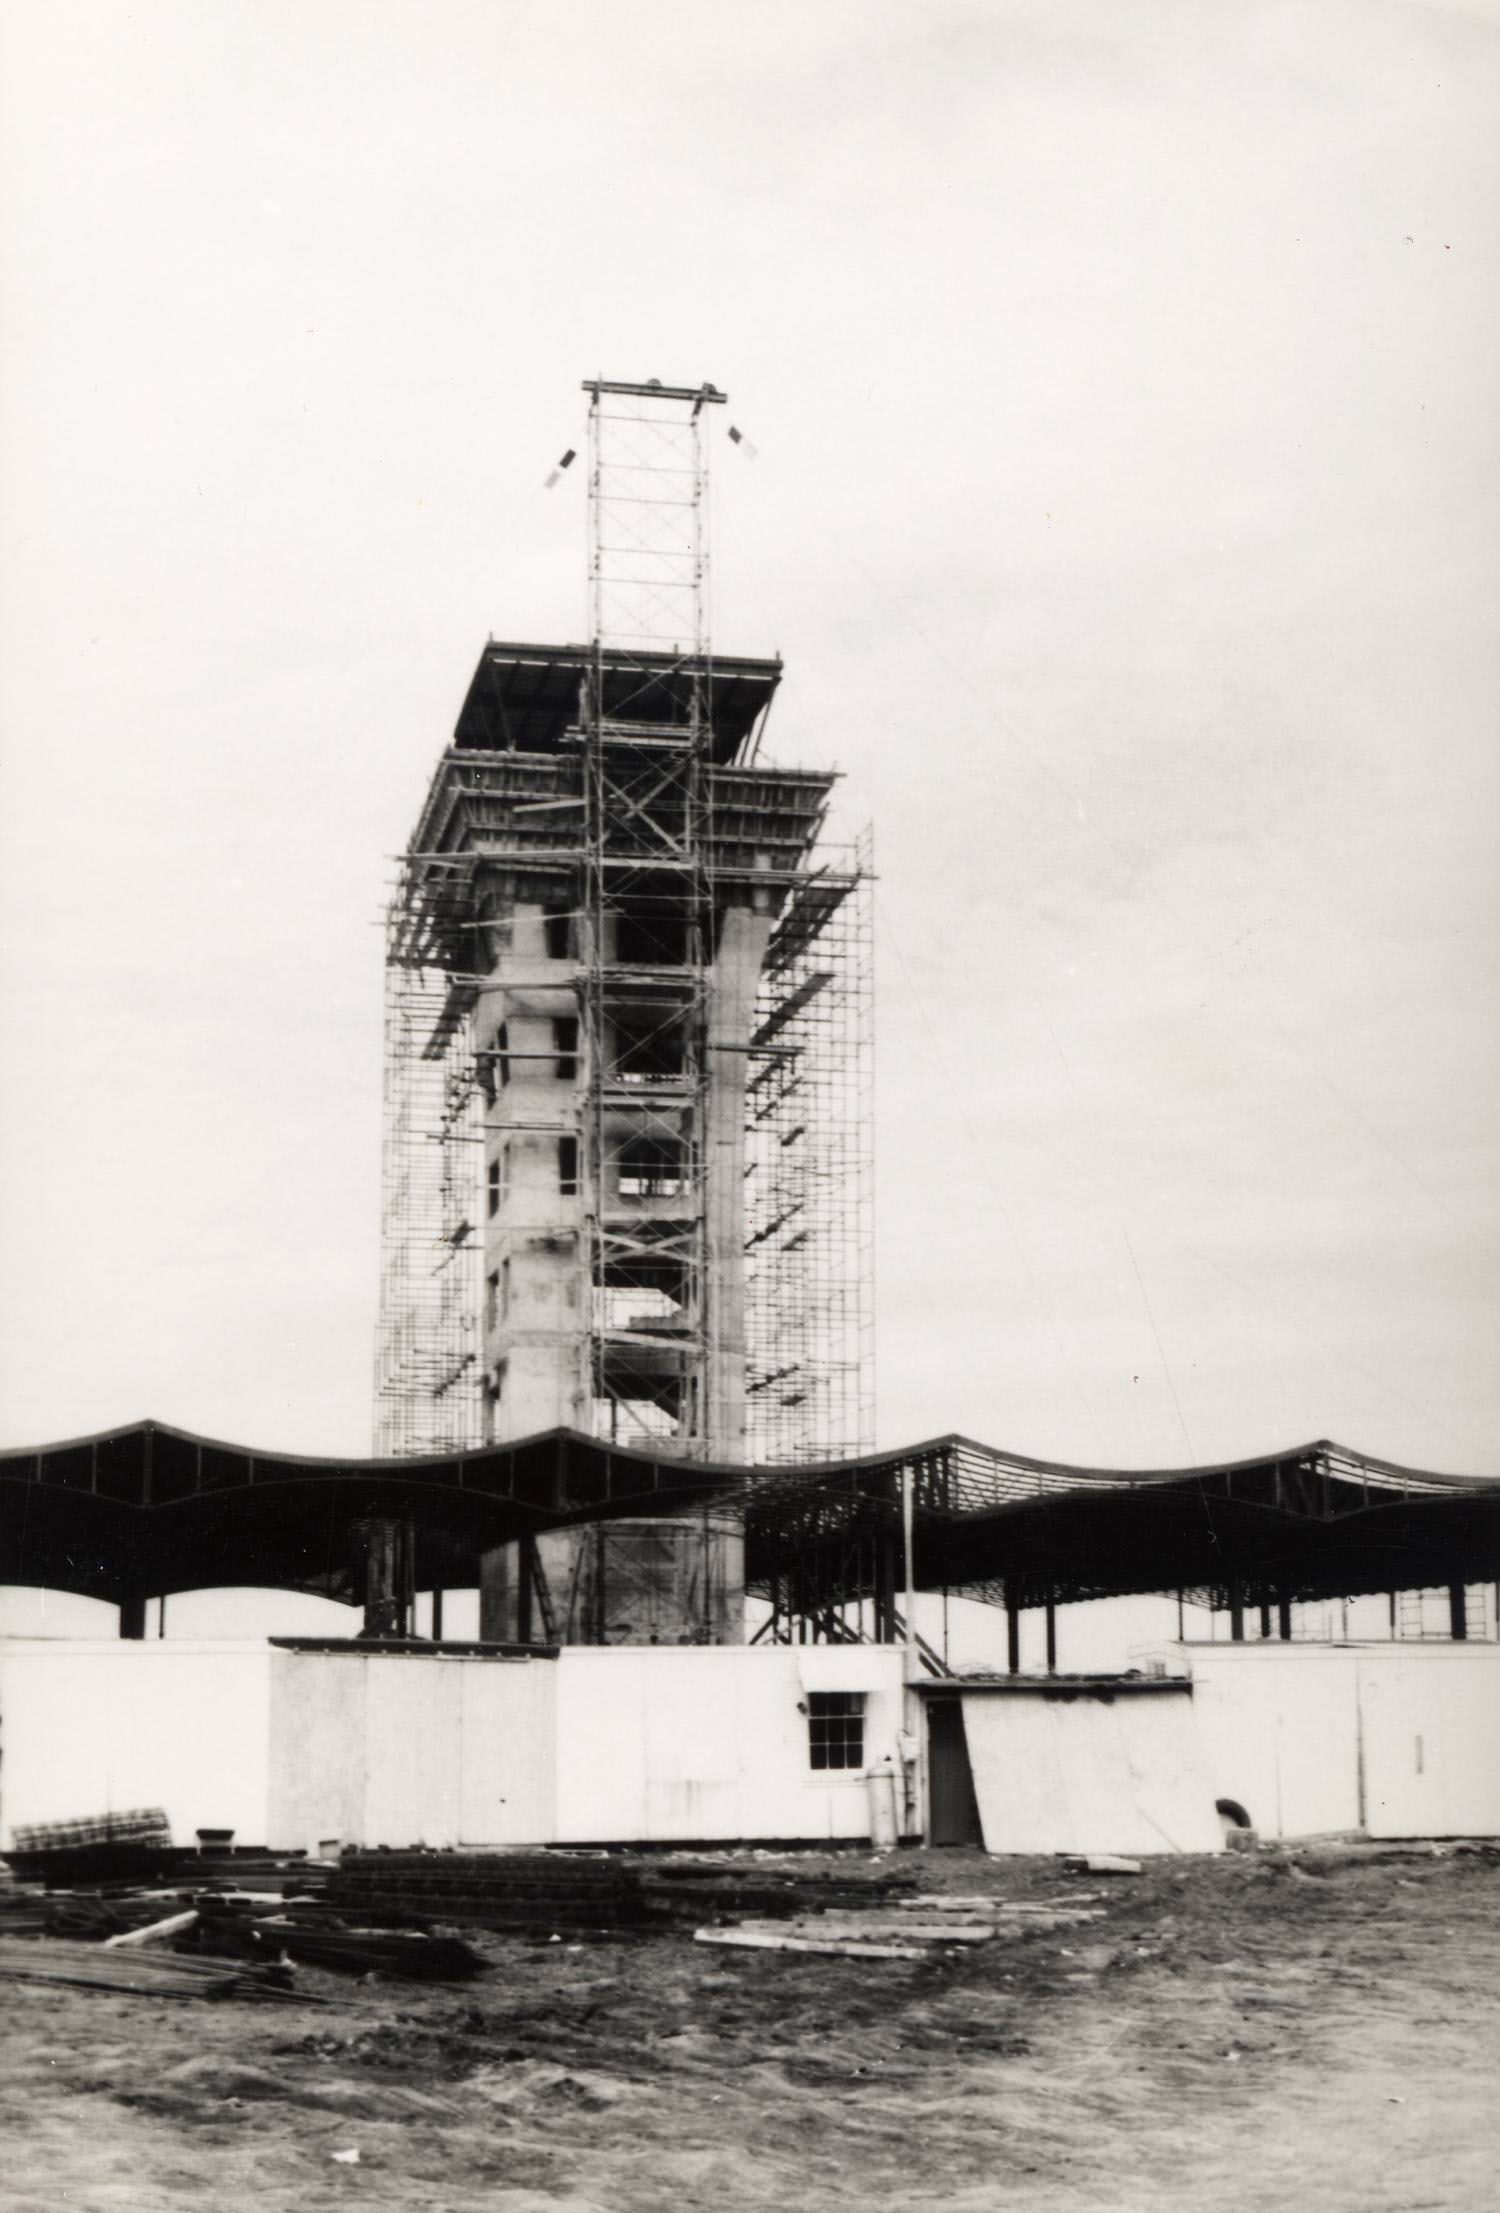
(1126, 512)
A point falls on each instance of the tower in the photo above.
(604, 884)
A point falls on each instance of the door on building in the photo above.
(952, 1808)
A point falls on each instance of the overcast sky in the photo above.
(1122, 385)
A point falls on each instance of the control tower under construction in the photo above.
(627, 1154)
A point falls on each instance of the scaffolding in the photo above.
(649, 919)
(809, 1305)
(428, 1350)
(640, 907)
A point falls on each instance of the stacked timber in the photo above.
(322, 1941)
(555, 1892)
(138, 1973)
(285, 1874)
(691, 1891)
(915, 1927)
(23, 1911)
(536, 1892)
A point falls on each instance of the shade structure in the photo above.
(148, 1509)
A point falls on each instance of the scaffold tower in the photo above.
(655, 1357)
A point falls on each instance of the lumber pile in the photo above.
(686, 1892)
(912, 1928)
(324, 1941)
(128, 1850)
(271, 1874)
(139, 1973)
(23, 1911)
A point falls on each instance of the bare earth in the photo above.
(1233, 2034)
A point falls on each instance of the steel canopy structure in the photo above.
(148, 1510)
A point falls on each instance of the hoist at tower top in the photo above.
(648, 519)
(699, 394)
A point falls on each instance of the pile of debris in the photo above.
(134, 1846)
(542, 1892)
(136, 1849)
(237, 1923)
(320, 1939)
(196, 1925)
(570, 1893)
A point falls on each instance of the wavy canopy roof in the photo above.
(147, 1509)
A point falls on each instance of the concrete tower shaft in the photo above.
(612, 1030)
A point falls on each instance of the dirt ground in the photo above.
(1246, 2032)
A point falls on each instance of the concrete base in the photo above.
(664, 1581)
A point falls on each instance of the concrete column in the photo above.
(497, 1595)
(885, 1589)
(387, 1576)
(133, 1615)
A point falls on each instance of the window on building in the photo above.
(567, 1166)
(565, 1042)
(651, 932)
(504, 1287)
(836, 1728)
(491, 1393)
(557, 927)
(647, 1047)
(492, 1299)
(492, 1185)
(502, 1052)
(651, 1168)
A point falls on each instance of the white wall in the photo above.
(1059, 1770)
(100, 1726)
(1280, 1731)
(402, 1749)
(677, 1744)
(631, 1744)
(1397, 1739)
